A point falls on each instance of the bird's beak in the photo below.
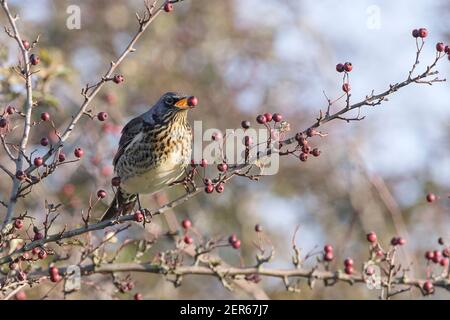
(183, 104)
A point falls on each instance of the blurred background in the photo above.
(243, 58)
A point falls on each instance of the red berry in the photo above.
(168, 7)
(53, 271)
(370, 271)
(118, 78)
(232, 238)
(18, 224)
(38, 236)
(55, 278)
(316, 152)
(236, 244)
(34, 59)
(348, 66)
(440, 47)
(203, 163)
(303, 156)
(138, 216)
(423, 32)
(138, 296)
(220, 188)
(245, 124)
(3, 122)
(401, 241)
(346, 87)
(193, 164)
(26, 44)
(311, 132)
(446, 252)
(431, 197)
(306, 149)
(209, 188)
(277, 117)
(101, 194)
(340, 67)
(328, 248)
(45, 116)
(78, 152)
(441, 241)
(348, 262)
(188, 240)
(394, 241)
(268, 116)
(10, 110)
(258, 228)
(20, 295)
(38, 161)
(444, 262)
(192, 101)
(415, 33)
(36, 250)
(102, 116)
(429, 255)
(44, 142)
(348, 270)
(42, 254)
(436, 256)
(222, 167)
(428, 287)
(186, 223)
(261, 119)
(61, 157)
(328, 256)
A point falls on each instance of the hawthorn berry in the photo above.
(101, 194)
(245, 124)
(444, 262)
(168, 7)
(316, 152)
(348, 66)
(192, 101)
(258, 228)
(415, 33)
(130, 285)
(193, 164)
(18, 224)
(26, 44)
(34, 59)
(118, 78)
(61, 157)
(440, 47)
(401, 241)
(277, 117)
(20, 295)
(220, 188)
(36, 250)
(209, 188)
(348, 270)
(138, 216)
(261, 119)
(10, 110)
(55, 278)
(328, 248)
(188, 240)
(436, 256)
(44, 142)
(3, 122)
(138, 296)
(328, 256)
(370, 270)
(38, 236)
(423, 32)
(346, 87)
(38, 161)
(207, 181)
(232, 238)
(53, 271)
(78, 152)
(340, 67)
(446, 252)
(186, 224)
(431, 197)
(303, 156)
(348, 262)
(42, 254)
(311, 132)
(236, 244)
(248, 141)
(102, 116)
(268, 116)
(203, 163)
(45, 116)
(428, 287)
(222, 167)
(306, 149)
(429, 255)
(371, 237)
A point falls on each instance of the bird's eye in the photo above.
(169, 101)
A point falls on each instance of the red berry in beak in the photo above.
(192, 101)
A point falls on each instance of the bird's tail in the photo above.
(122, 204)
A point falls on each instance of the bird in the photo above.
(154, 150)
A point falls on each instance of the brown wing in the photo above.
(131, 129)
